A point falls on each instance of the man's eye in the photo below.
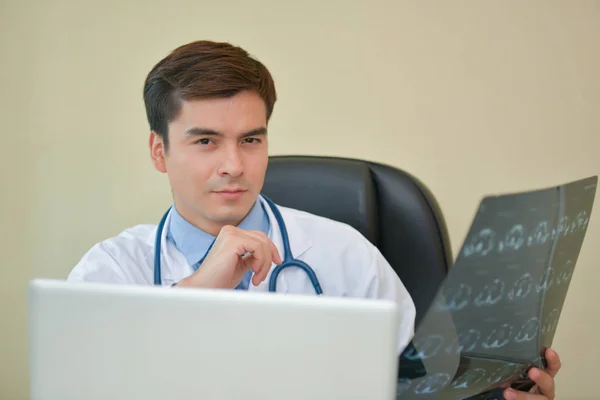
(203, 141)
(252, 140)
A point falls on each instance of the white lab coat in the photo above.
(345, 262)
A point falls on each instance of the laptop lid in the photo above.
(95, 341)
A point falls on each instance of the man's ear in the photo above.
(157, 152)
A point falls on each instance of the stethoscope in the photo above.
(288, 258)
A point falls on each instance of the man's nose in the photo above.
(232, 162)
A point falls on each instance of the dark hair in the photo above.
(202, 70)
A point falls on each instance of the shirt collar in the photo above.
(193, 243)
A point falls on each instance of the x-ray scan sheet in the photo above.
(500, 304)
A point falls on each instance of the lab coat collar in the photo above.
(299, 244)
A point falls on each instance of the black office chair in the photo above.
(391, 208)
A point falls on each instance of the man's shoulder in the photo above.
(129, 242)
(134, 236)
(105, 260)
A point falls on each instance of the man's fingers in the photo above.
(266, 264)
(512, 394)
(275, 256)
(261, 267)
(259, 275)
(256, 264)
(256, 260)
(267, 254)
(252, 252)
(544, 382)
(258, 252)
(554, 362)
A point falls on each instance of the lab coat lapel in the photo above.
(299, 244)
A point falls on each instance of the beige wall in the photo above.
(449, 91)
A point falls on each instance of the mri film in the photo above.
(499, 307)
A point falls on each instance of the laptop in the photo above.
(99, 341)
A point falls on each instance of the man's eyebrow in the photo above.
(201, 132)
(210, 132)
(255, 132)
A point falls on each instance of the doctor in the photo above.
(208, 106)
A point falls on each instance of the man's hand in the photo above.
(235, 252)
(544, 388)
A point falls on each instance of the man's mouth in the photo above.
(231, 193)
(233, 190)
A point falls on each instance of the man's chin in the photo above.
(230, 211)
(229, 215)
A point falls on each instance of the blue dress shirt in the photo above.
(193, 243)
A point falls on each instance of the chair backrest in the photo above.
(391, 208)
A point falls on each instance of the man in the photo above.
(208, 106)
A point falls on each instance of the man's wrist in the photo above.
(183, 283)
(205, 280)
(190, 281)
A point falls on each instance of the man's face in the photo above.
(216, 159)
